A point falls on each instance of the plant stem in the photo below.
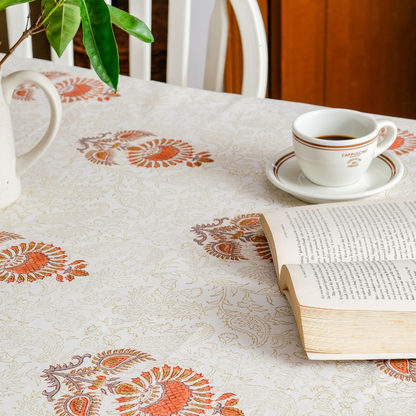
(57, 4)
(33, 30)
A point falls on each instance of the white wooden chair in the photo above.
(253, 36)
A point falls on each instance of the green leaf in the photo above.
(73, 2)
(130, 24)
(99, 40)
(6, 3)
(62, 25)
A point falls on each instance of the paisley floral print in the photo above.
(154, 153)
(158, 391)
(227, 242)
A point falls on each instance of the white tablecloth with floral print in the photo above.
(134, 276)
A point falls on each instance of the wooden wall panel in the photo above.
(358, 54)
(4, 43)
(302, 50)
(40, 46)
(371, 56)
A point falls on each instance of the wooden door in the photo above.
(358, 54)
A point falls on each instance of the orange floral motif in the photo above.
(159, 391)
(163, 392)
(155, 153)
(78, 89)
(401, 369)
(160, 153)
(199, 159)
(25, 92)
(32, 261)
(73, 270)
(227, 242)
(404, 143)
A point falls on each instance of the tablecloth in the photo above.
(134, 276)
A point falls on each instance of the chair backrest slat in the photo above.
(16, 23)
(254, 41)
(179, 29)
(140, 52)
(217, 47)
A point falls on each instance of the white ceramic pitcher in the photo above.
(12, 167)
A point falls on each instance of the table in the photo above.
(135, 278)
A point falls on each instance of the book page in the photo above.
(369, 356)
(343, 232)
(382, 285)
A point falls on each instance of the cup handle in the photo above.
(390, 136)
(9, 83)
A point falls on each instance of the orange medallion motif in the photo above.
(405, 141)
(158, 153)
(155, 153)
(81, 89)
(75, 90)
(164, 391)
(161, 391)
(28, 262)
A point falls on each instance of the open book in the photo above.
(349, 273)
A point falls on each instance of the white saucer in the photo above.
(284, 172)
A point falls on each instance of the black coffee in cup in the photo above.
(335, 137)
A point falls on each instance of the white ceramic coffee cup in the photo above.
(339, 162)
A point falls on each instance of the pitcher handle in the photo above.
(9, 83)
